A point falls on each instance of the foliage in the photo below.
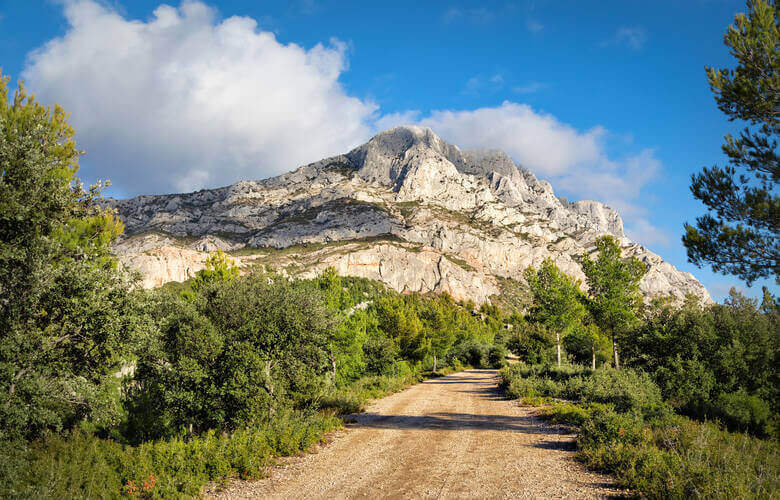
(239, 353)
(81, 465)
(699, 355)
(613, 286)
(65, 315)
(557, 300)
(586, 344)
(740, 235)
(533, 342)
(219, 267)
(649, 449)
(622, 389)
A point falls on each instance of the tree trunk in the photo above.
(615, 351)
(593, 358)
(558, 345)
(269, 386)
(434, 363)
(333, 364)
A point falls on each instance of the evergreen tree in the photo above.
(63, 325)
(740, 235)
(613, 286)
(219, 267)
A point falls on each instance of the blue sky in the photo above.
(606, 99)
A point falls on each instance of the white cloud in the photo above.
(191, 101)
(632, 37)
(185, 100)
(538, 141)
(575, 162)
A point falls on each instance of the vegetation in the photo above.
(626, 429)
(613, 285)
(107, 389)
(692, 412)
(558, 302)
(740, 234)
(64, 310)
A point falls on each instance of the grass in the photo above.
(460, 262)
(624, 429)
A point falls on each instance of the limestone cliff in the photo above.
(406, 208)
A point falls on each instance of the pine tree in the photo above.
(740, 234)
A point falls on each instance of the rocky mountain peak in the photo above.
(406, 208)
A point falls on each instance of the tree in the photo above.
(242, 350)
(65, 310)
(219, 267)
(587, 343)
(613, 286)
(740, 236)
(557, 300)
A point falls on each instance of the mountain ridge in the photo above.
(406, 208)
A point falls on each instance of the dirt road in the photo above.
(451, 437)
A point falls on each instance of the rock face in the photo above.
(406, 208)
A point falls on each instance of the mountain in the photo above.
(406, 208)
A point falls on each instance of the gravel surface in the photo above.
(450, 437)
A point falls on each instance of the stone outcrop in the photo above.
(406, 208)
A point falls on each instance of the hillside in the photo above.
(406, 208)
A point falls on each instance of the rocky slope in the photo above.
(406, 208)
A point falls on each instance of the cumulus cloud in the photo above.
(186, 100)
(575, 162)
(536, 140)
(190, 101)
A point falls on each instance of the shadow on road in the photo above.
(481, 388)
(445, 421)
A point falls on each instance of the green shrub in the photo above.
(605, 425)
(741, 411)
(626, 430)
(496, 357)
(240, 351)
(567, 413)
(626, 389)
(81, 465)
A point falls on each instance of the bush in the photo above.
(567, 413)
(604, 425)
(80, 465)
(241, 351)
(496, 357)
(533, 343)
(626, 389)
(629, 432)
(743, 412)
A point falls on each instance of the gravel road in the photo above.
(450, 437)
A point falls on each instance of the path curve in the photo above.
(450, 437)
